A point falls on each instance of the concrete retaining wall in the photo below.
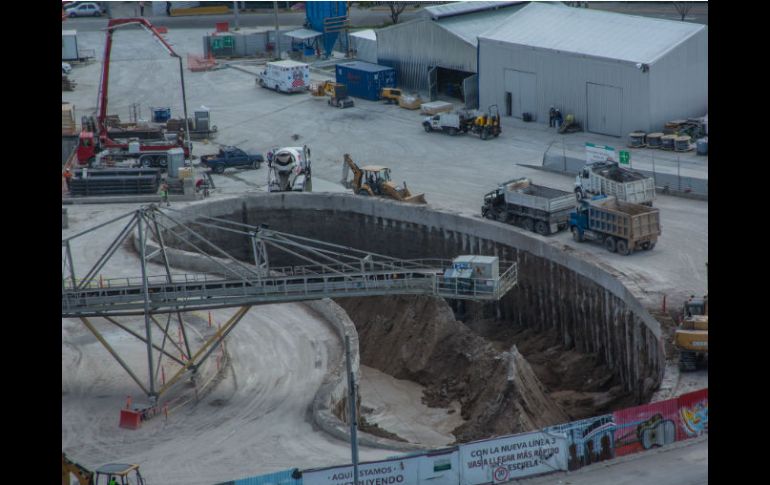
(594, 308)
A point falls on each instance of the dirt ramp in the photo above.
(418, 338)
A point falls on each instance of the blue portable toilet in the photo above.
(364, 79)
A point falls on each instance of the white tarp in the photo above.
(502, 459)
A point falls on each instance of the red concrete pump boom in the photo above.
(87, 150)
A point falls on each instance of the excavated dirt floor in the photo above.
(507, 379)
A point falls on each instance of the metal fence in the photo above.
(673, 172)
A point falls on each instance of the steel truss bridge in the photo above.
(333, 271)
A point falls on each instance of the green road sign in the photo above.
(625, 157)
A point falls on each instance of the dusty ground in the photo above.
(418, 339)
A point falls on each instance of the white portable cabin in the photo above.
(69, 45)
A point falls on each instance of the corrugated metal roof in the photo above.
(303, 34)
(459, 8)
(593, 33)
(365, 34)
(468, 27)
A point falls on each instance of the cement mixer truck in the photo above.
(289, 170)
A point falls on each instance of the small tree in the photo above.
(683, 8)
(396, 9)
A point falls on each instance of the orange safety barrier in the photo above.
(199, 63)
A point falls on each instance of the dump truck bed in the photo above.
(624, 184)
(524, 193)
(633, 222)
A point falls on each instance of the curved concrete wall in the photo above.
(589, 304)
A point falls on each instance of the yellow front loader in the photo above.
(374, 180)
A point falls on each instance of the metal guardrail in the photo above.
(125, 296)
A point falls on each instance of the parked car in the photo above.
(65, 68)
(231, 157)
(87, 9)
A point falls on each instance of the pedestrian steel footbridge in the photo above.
(161, 236)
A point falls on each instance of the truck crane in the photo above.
(94, 137)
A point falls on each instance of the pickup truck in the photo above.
(231, 157)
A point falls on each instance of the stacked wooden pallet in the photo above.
(68, 119)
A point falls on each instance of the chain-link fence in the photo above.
(674, 173)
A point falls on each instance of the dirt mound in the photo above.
(418, 338)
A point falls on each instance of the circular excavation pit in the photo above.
(569, 341)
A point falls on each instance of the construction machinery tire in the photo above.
(484, 134)
(623, 248)
(610, 244)
(427, 127)
(528, 224)
(577, 235)
(648, 245)
(542, 228)
(688, 361)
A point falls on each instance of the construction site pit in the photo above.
(569, 341)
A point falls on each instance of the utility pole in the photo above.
(352, 412)
(237, 17)
(277, 43)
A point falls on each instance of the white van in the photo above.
(285, 76)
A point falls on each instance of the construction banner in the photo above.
(588, 440)
(510, 457)
(643, 427)
(387, 472)
(693, 414)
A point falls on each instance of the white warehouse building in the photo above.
(616, 73)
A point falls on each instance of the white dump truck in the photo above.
(607, 178)
(534, 207)
(285, 76)
(289, 170)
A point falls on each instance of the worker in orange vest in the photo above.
(67, 177)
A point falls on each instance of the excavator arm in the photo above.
(84, 476)
(357, 173)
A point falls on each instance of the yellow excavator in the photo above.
(692, 335)
(337, 92)
(124, 474)
(374, 180)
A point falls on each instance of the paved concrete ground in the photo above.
(683, 463)
(454, 172)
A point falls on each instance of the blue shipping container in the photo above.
(364, 79)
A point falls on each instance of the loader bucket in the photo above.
(416, 199)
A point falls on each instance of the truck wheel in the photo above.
(219, 169)
(623, 248)
(484, 134)
(255, 165)
(427, 127)
(577, 235)
(542, 228)
(648, 245)
(609, 243)
(486, 213)
(452, 131)
(528, 224)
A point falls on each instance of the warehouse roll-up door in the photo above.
(471, 91)
(522, 86)
(604, 109)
